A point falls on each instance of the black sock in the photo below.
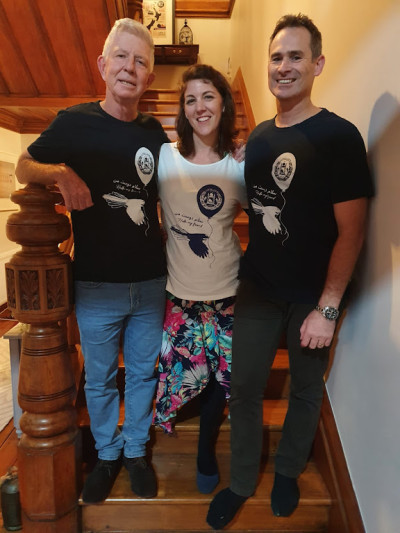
(212, 404)
(285, 495)
(223, 508)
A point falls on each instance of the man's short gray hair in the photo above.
(135, 28)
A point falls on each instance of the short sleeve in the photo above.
(350, 174)
(52, 145)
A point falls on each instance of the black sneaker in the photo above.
(100, 481)
(142, 476)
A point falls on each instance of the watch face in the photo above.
(330, 313)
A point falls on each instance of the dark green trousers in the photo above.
(258, 327)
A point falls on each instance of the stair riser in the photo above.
(186, 443)
(145, 518)
(158, 106)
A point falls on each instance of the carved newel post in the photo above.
(39, 294)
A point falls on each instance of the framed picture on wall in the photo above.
(159, 18)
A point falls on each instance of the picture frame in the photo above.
(159, 18)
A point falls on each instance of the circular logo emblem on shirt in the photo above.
(144, 163)
(210, 199)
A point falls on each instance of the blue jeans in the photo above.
(105, 312)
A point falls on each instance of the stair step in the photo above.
(277, 386)
(150, 106)
(187, 422)
(273, 416)
(180, 507)
(187, 429)
(161, 94)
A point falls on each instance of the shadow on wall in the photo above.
(382, 236)
(380, 265)
(375, 290)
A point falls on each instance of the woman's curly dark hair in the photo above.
(227, 131)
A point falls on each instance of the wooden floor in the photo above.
(8, 436)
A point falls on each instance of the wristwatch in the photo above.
(330, 313)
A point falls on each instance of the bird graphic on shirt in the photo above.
(269, 214)
(134, 206)
(195, 241)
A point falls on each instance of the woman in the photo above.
(201, 187)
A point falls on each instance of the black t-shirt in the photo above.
(294, 176)
(118, 239)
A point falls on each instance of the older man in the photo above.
(103, 157)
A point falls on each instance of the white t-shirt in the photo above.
(199, 204)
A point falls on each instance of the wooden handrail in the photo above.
(39, 294)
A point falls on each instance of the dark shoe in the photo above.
(223, 508)
(285, 495)
(206, 484)
(100, 481)
(142, 476)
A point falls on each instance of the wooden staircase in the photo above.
(179, 507)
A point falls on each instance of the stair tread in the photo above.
(176, 475)
(180, 507)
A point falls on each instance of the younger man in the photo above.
(308, 183)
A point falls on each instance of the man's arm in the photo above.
(74, 190)
(316, 330)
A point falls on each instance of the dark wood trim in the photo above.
(47, 101)
(60, 102)
(203, 8)
(176, 54)
(117, 9)
(329, 457)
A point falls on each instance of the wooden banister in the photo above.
(39, 292)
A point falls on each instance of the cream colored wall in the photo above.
(361, 81)
(10, 148)
(214, 40)
(27, 139)
(11, 145)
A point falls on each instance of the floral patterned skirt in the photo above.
(197, 341)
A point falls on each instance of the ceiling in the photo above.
(48, 52)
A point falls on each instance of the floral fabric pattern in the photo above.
(197, 341)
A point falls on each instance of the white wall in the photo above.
(361, 81)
